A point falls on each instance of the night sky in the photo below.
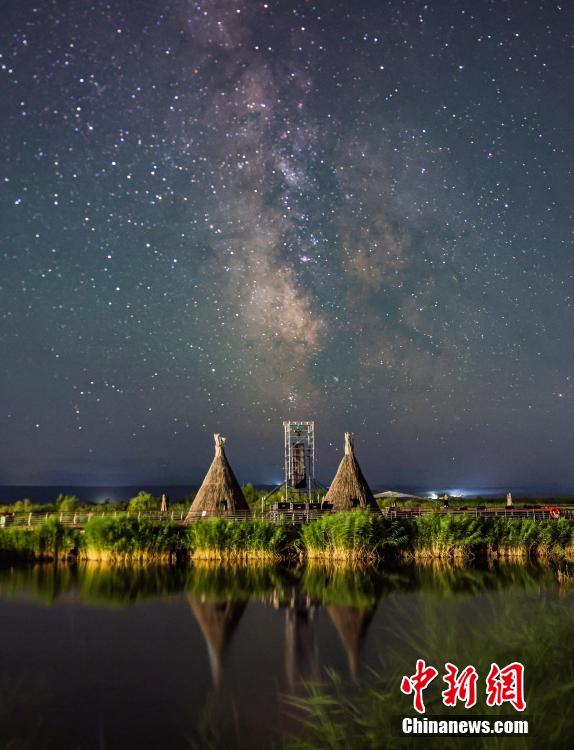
(218, 214)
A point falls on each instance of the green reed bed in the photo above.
(130, 539)
(48, 541)
(352, 536)
(220, 538)
(355, 537)
(359, 536)
(437, 536)
(445, 536)
(516, 623)
(538, 538)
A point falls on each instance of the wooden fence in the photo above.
(80, 518)
(294, 516)
(539, 514)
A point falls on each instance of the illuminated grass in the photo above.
(48, 541)
(357, 537)
(220, 538)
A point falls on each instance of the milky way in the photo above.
(216, 215)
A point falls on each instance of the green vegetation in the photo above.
(364, 537)
(445, 612)
(442, 535)
(144, 501)
(48, 541)
(470, 503)
(128, 538)
(326, 584)
(355, 535)
(222, 538)
(67, 503)
(514, 620)
(253, 496)
(125, 538)
(435, 535)
(22, 506)
(349, 537)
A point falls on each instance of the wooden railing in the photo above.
(202, 515)
(539, 514)
(81, 518)
(296, 516)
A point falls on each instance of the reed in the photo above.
(441, 536)
(221, 538)
(436, 535)
(356, 535)
(130, 539)
(48, 541)
(512, 623)
(360, 536)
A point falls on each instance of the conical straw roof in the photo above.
(220, 492)
(218, 621)
(349, 488)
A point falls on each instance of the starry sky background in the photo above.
(217, 214)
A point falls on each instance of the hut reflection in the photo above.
(301, 650)
(218, 622)
(352, 624)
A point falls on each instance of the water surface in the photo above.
(122, 657)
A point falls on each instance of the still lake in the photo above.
(215, 657)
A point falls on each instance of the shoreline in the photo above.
(337, 558)
(354, 538)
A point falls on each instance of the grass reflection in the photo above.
(500, 611)
(500, 614)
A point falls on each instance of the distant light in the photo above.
(102, 500)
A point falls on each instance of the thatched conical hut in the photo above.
(349, 488)
(218, 622)
(351, 624)
(220, 493)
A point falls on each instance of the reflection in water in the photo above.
(92, 583)
(301, 650)
(217, 621)
(86, 640)
(352, 624)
